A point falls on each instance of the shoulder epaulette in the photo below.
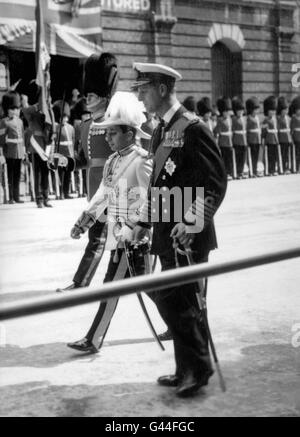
(142, 152)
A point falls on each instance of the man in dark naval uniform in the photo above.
(185, 156)
(101, 77)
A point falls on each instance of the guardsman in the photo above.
(12, 143)
(101, 77)
(270, 136)
(295, 129)
(254, 133)
(185, 157)
(284, 134)
(223, 133)
(122, 192)
(205, 112)
(38, 134)
(65, 147)
(239, 137)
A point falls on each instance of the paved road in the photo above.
(252, 315)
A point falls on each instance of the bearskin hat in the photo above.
(57, 107)
(237, 104)
(101, 75)
(282, 104)
(270, 104)
(224, 104)
(10, 100)
(294, 106)
(204, 106)
(252, 104)
(190, 104)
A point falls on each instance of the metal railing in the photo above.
(144, 283)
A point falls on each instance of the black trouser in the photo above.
(117, 269)
(92, 256)
(241, 158)
(65, 179)
(254, 155)
(41, 181)
(13, 176)
(285, 148)
(272, 158)
(228, 159)
(297, 147)
(179, 308)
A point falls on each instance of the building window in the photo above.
(226, 71)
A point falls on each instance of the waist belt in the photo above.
(239, 132)
(272, 131)
(284, 130)
(255, 131)
(38, 133)
(97, 162)
(297, 129)
(226, 134)
(66, 143)
(14, 140)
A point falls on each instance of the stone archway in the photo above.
(226, 42)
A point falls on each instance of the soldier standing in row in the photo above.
(65, 147)
(185, 155)
(223, 133)
(284, 134)
(122, 192)
(12, 143)
(239, 136)
(295, 129)
(101, 76)
(253, 132)
(270, 136)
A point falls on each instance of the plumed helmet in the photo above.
(10, 100)
(224, 104)
(282, 104)
(294, 106)
(190, 103)
(125, 109)
(270, 104)
(57, 108)
(204, 106)
(252, 104)
(237, 104)
(101, 75)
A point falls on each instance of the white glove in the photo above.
(125, 234)
(2, 159)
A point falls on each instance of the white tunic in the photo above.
(123, 191)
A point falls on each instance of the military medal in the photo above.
(170, 167)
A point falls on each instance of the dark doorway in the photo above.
(226, 72)
(66, 74)
(21, 66)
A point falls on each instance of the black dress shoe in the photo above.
(47, 204)
(19, 201)
(191, 384)
(83, 345)
(11, 202)
(166, 336)
(71, 287)
(40, 205)
(169, 381)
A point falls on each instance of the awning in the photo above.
(72, 27)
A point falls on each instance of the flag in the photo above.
(42, 65)
(72, 27)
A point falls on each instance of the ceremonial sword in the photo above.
(201, 294)
(131, 269)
